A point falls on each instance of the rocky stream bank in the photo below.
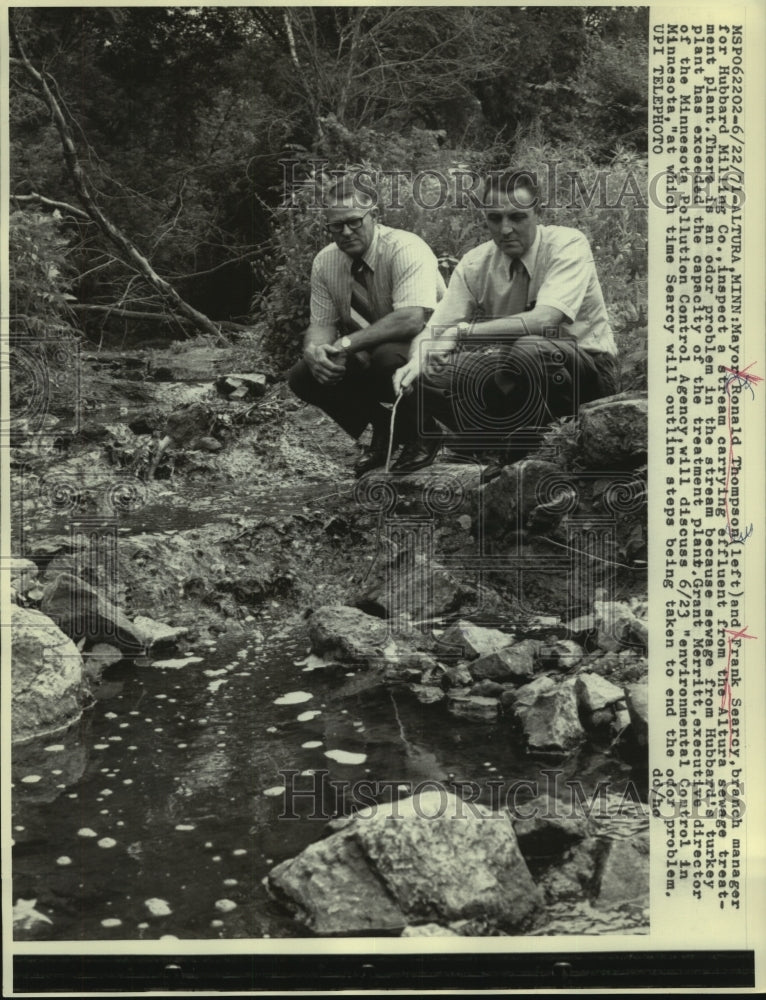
(189, 503)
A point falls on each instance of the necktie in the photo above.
(361, 299)
(517, 302)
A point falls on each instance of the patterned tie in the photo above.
(519, 276)
(361, 299)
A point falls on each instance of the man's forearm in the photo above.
(316, 335)
(401, 324)
(536, 323)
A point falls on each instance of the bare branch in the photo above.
(107, 227)
(62, 206)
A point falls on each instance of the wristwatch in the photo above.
(463, 330)
(345, 343)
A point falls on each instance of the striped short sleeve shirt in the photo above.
(404, 273)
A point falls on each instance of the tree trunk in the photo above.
(115, 235)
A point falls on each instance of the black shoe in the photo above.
(375, 454)
(417, 454)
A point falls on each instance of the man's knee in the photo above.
(389, 356)
(302, 382)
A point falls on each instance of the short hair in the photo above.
(356, 187)
(507, 182)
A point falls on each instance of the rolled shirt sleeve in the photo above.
(324, 310)
(415, 277)
(568, 278)
(458, 302)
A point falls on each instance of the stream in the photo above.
(167, 796)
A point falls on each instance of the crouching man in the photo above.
(520, 338)
(372, 290)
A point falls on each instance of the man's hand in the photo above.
(326, 362)
(406, 375)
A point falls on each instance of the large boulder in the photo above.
(551, 721)
(514, 663)
(417, 587)
(637, 698)
(83, 613)
(48, 689)
(426, 859)
(471, 641)
(618, 626)
(625, 872)
(547, 825)
(595, 692)
(613, 432)
(516, 492)
(348, 634)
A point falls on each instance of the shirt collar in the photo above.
(529, 258)
(370, 253)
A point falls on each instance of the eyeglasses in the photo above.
(336, 228)
(495, 218)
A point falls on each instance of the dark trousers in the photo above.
(491, 396)
(354, 401)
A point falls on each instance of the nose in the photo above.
(507, 226)
(346, 229)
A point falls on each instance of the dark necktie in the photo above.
(519, 276)
(361, 299)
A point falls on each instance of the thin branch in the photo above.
(62, 206)
(107, 227)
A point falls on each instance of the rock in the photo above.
(396, 865)
(100, 656)
(547, 825)
(470, 641)
(613, 432)
(472, 707)
(457, 676)
(207, 444)
(241, 385)
(561, 655)
(551, 722)
(189, 422)
(528, 694)
(595, 693)
(618, 626)
(576, 873)
(418, 587)
(625, 872)
(81, 612)
(488, 689)
(48, 688)
(28, 922)
(637, 699)
(348, 634)
(154, 634)
(511, 497)
(514, 663)
(428, 930)
(427, 694)
(23, 574)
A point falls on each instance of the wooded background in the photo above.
(148, 143)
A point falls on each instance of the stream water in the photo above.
(159, 814)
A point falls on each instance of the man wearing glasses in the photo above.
(520, 338)
(372, 290)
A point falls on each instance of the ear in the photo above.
(375, 213)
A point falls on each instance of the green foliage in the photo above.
(39, 274)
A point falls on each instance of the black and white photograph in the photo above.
(349, 502)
